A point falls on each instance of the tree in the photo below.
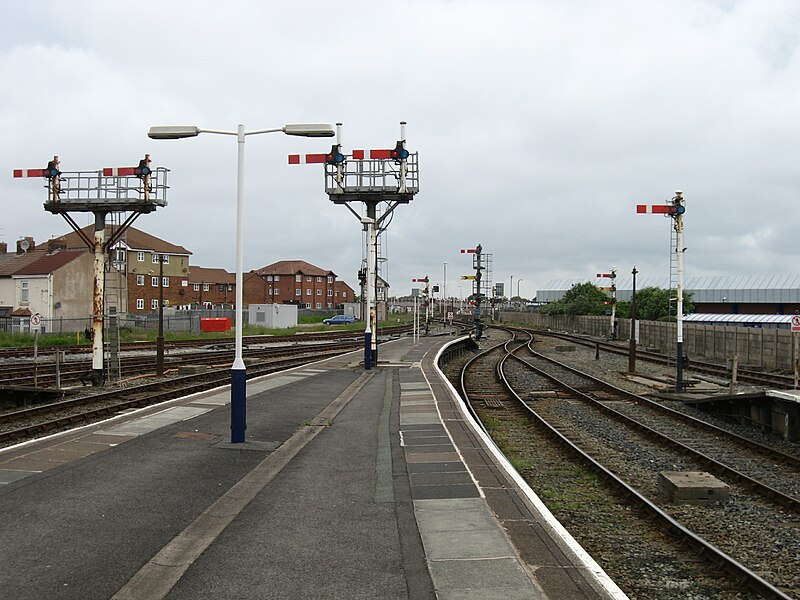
(580, 299)
(653, 304)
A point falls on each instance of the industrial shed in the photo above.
(741, 294)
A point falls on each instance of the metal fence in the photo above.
(174, 320)
(769, 349)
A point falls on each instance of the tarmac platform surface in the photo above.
(351, 484)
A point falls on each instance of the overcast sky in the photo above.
(539, 126)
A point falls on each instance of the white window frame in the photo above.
(298, 292)
(330, 278)
(276, 278)
(140, 280)
(165, 281)
(308, 291)
(154, 303)
(24, 293)
(154, 281)
(196, 287)
(319, 304)
(140, 257)
(319, 292)
(298, 277)
(330, 293)
(140, 304)
(206, 287)
(319, 279)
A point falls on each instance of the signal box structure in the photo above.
(125, 190)
(372, 177)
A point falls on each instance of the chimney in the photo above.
(24, 245)
(3, 248)
(56, 244)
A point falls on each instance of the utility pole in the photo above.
(632, 350)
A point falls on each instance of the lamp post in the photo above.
(238, 372)
(444, 292)
(519, 298)
(160, 336)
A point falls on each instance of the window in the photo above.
(270, 291)
(308, 291)
(230, 287)
(205, 287)
(319, 279)
(140, 304)
(221, 287)
(298, 277)
(23, 293)
(330, 278)
(165, 258)
(140, 258)
(120, 255)
(140, 280)
(155, 257)
(166, 302)
(330, 304)
(308, 277)
(154, 281)
(196, 287)
(165, 281)
(319, 304)
(308, 304)
(330, 293)
(276, 278)
(154, 303)
(298, 292)
(269, 277)
(319, 292)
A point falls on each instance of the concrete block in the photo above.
(692, 487)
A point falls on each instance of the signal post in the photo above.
(130, 190)
(387, 176)
(675, 210)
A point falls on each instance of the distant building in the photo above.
(342, 294)
(132, 278)
(745, 294)
(54, 283)
(210, 288)
(291, 282)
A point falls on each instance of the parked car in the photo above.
(338, 319)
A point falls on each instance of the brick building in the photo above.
(342, 294)
(132, 276)
(210, 288)
(291, 282)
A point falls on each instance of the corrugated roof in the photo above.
(737, 318)
(735, 282)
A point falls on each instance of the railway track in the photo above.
(586, 460)
(49, 418)
(140, 359)
(774, 380)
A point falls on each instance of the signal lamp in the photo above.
(142, 170)
(51, 170)
(399, 152)
(335, 156)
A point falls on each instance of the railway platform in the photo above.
(351, 484)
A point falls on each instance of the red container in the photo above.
(215, 324)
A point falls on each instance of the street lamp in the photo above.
(238, 372)
(519, 298)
